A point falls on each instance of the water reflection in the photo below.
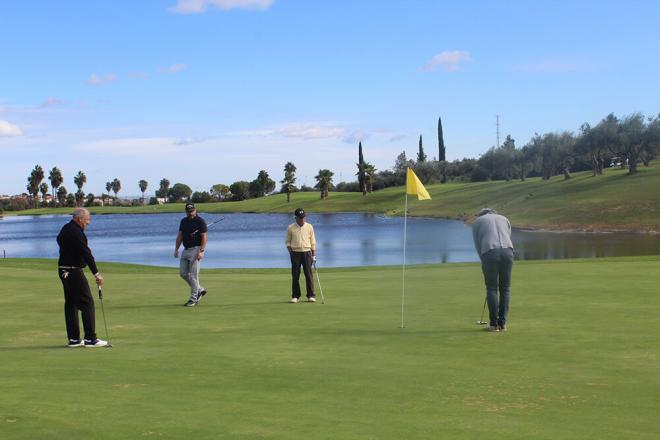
(552, 245)
(257, 240)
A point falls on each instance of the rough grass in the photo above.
(612, 201)
(580, 359)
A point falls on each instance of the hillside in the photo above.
(614, 201)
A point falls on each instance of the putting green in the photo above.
(580, 359)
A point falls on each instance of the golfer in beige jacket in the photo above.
(301, 243)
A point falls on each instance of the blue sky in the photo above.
(212, 91)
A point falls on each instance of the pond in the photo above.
(345, 239)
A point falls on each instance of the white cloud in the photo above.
(138, 75)
(450, 61)
(97, 80)
(51, 102)
(174, 68)
(310, 131)
(353, 137)
(199, 6)
(9, 130)
(397, 138)
(190, 140)
(129, 146)
(298, 130)
(556, 65)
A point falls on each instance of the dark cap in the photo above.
(299, 212)
(190, 206)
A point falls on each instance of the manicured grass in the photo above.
(580, 359)
(612, 201)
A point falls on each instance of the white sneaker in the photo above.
(294, 300)
(311, 299)
(95, 343)
(75, 343)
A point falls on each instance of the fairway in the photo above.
(581, 358)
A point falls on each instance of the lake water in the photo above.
(347, 239)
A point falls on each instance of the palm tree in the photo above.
(80, 197)
(288, 183)
(43, 188)
(108, 187)
(116, 186)
(80, 179)
(369, 173)
(324, 182)
(61, 195)
(56, 179)
(164, 189)
(34, 181)
(143, 187)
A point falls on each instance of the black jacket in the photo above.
(73, 248)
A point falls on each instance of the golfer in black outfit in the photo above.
(192, 233)
(74, 256)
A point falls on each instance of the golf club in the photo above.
(107, 336)
(209, 226)
(481, 321)
(319, 281)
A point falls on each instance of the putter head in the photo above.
(480, 322)
(109, 345)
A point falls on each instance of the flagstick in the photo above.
(403, 274)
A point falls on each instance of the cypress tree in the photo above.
(441, 142)
(421, 157)
(360, 173)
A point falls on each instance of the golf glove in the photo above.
(313, 258)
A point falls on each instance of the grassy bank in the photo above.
(580, 359)
(612, 201)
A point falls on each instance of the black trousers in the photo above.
(303, 259)
(77, 297)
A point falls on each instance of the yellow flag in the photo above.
(414, 186)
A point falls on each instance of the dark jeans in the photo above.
(496, 265)
(77, 297)
(303, 259)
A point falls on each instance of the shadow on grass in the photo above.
(38, 347)
(203, 305)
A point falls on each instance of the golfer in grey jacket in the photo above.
(492, 239)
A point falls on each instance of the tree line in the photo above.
(623, 142)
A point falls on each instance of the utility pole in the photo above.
(497, 125)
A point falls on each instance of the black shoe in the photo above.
(190, 303)
(201, 294)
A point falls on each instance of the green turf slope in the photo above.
(612, 201)
(581, 359)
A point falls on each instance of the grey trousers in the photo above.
(497, 264)
(189, 270)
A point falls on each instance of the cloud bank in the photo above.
(200, 6)
(98, 80)
(9, 130)
(174, 68)
(449, 61)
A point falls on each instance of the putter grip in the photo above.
(100, 294)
